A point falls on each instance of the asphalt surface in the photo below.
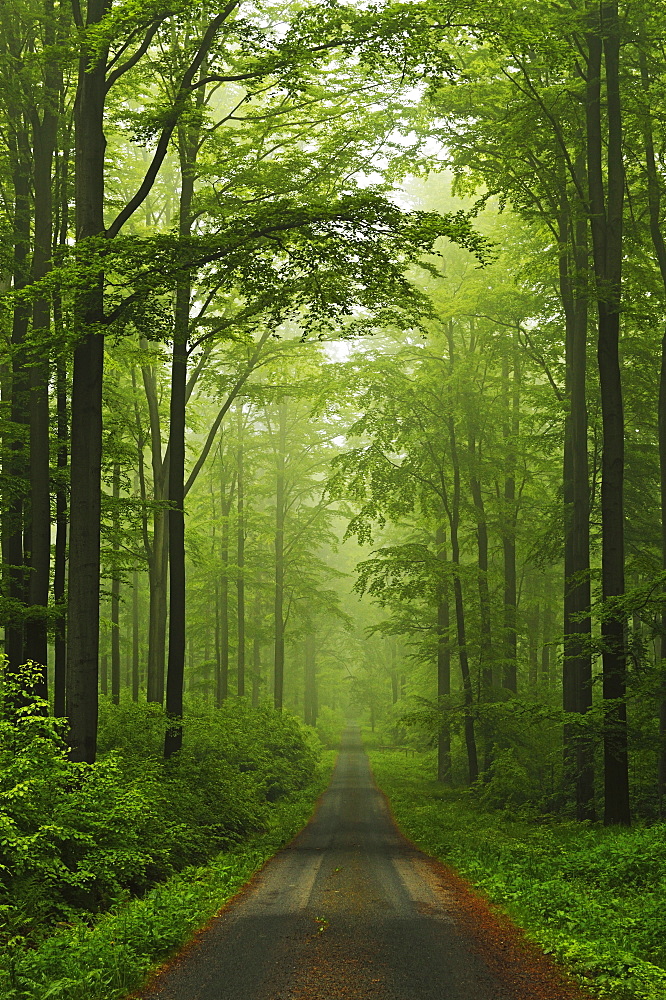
(349, 911)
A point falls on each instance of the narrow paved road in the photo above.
(349, 911)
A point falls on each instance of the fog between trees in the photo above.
(279, 281)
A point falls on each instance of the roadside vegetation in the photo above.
(592, 896)
(106, 869)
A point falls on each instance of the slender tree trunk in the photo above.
(310, 697)
(256, 651)
(60, 555)
(240, 579)
(278, 687)
(158, 604)
(16, 465)
(86, 417)
(104, 674)
(443, 670)
(510, 434)
(223, 677)
(158, 556)
(176, 521)
(115, 592)
(659, 244)
(577, 660)
(606, 217)
(454, 521)
(546, 623)
(485, 641)
(136, 670)
(45, 134)
(62, 459)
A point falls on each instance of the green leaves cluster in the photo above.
(77, 839)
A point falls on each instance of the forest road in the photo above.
(350, 910)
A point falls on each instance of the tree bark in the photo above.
(158, 553)
(136, 670)
(60, 554)
(278, 674)
(86, 413)
(62, 459)
(443, 670)
(310, 696)
(222, 688)
(115, 591)
(577, 660)
(240, 549)
(659, 244)
(256, 651)
(453, 512)
(510, 433)
(45, 131)
(16, 466)
(176, 521)
(485, 640)
(606, 218)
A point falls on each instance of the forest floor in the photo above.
(592, 897)
(351, 910)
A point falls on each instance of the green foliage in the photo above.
(593, 897)
(507, 784)
(105, 959)
(76, 839)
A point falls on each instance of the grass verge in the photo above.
(594, 898)
(114, 956)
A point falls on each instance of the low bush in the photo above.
(107, 957)
(78, 839)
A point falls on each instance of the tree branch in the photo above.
(167, 131)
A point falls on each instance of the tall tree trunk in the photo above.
(158, 555)
(86, 417)
(577, 660)
(606, 218)
(533, 645)
(115, 592)
(222, 692)
(546, 621)
(176, 521)
(240, 539)
(310, 696)
(485, 640)
(45, 132)
(278, 683)
(510, 433)
(60, 554)
(16, 467)
(135, 637)
(256, 651)
(176, 527)
(659, 244)
(443, 670)
(158, 605)
(453, 511)
(62, 459)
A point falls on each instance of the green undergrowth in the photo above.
(594, 898)
(111, 955)
(106, 867)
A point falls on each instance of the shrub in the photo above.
(76, 838)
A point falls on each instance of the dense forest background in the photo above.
(333, 377)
